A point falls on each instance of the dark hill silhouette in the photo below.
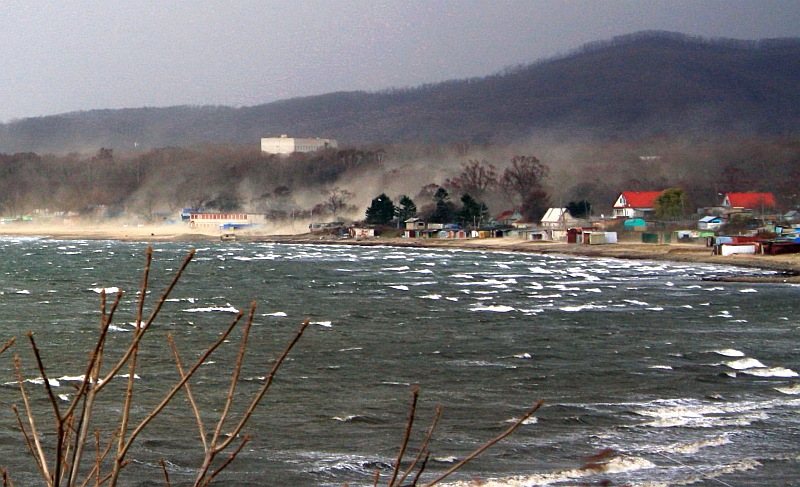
(640, 85)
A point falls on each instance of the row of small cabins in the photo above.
(633, 207)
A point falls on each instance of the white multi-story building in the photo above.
(286, 145)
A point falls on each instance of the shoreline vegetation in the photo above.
(786, 266)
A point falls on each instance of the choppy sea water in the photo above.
(686, 381)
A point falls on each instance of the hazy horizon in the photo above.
(65, 57)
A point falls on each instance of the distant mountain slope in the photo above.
(644, 84)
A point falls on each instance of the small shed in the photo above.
(637, 224)
(710, 223)
(595, 238)
(731, 249)
(361, 232)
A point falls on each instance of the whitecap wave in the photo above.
(771, 372)
(695, 414)
(793, 389)
(494, 309)
(397, 269)
(695, 446)
(279, 314)
(528, 421)
(745, 363)
(213, 309)
(729, 352)
(618, 464)
(583, 307)
(108, 290)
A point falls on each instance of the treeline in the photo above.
(163, 181)
(156, 184)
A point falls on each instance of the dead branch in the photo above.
(28, 439)
(480, 450)
(423, 449)
(177, 387)
(7, 345)
(189, 394)
(227, 462)
(215, 449)
(237, 369)
(138, 335)
(88, 390)
(166, 473)
(56, 413)
(407, 436)
(38, 452)
(6, 479)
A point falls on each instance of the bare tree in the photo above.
(337, 199)
(525, 175)
(476, 178)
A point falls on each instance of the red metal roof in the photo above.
(750, 201)
(506, 215)
(639, 199)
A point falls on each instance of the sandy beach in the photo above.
(787, 265)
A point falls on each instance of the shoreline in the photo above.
(787, 265)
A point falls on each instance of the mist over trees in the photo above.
(432, 181)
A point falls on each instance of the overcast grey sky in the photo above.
(61, 56)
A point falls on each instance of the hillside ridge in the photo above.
(646, 84)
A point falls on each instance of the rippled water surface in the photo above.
(685, 380)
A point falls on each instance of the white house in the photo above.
(558, 218)
(635, 204)
(287, 145)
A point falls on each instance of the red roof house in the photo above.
(507, 218)
(635, 204)
(749, 201)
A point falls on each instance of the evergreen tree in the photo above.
(406, 208)
(444, 210)
(579, 209)
(381, 211)
(472, 212)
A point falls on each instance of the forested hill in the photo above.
(640, 85)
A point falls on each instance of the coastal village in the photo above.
(484, 244)
(759, 228)
(741, 223)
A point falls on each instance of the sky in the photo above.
(73, 55)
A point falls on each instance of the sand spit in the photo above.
(787, 265)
